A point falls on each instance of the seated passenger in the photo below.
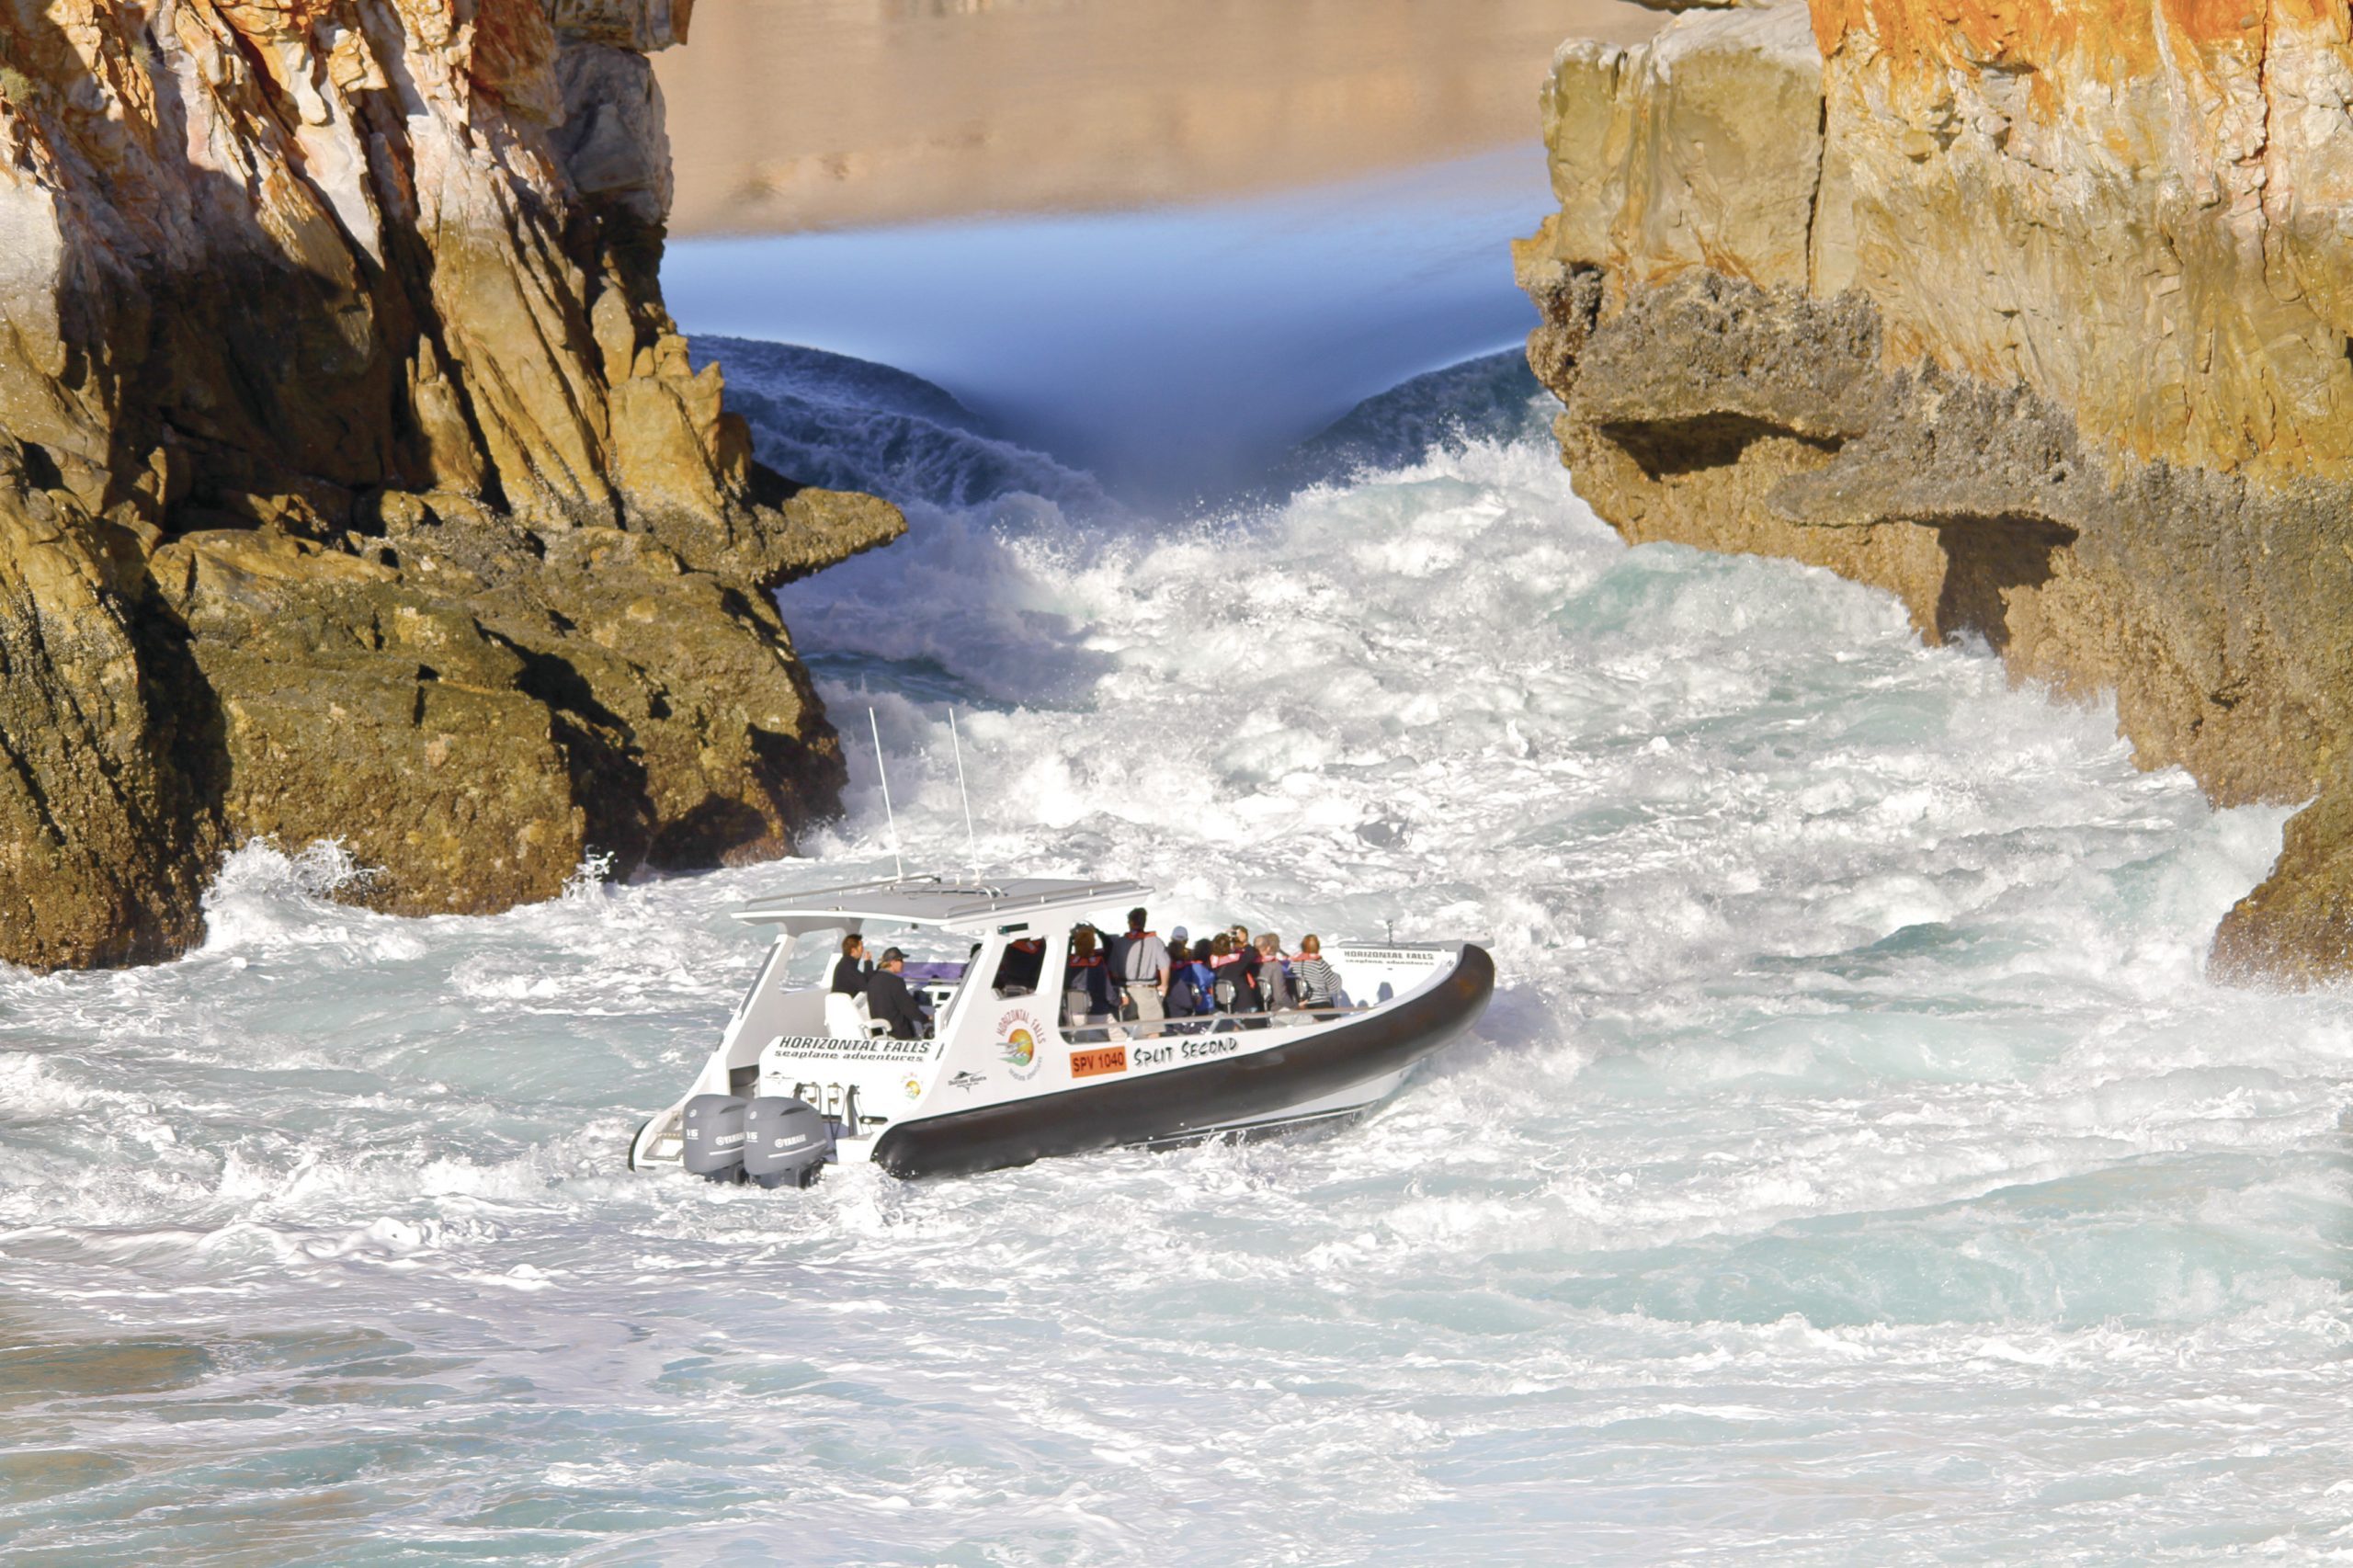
(888, 1001)
(1087, 999)
(1229, 989)
(850, 971)
(1188, 985)
(1318, 983)
(1275, 993)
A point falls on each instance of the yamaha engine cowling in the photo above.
(786, 1142)
(712, 1129)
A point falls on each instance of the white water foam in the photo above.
(1854, 1168)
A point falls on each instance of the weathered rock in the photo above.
(101, 836)
(354, 482)
(2038, 317)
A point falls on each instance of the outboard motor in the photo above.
(786, 1142)
(713, 1130)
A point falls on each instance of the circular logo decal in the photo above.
(1016, 1034)
(914, 1085)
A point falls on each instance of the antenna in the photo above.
(970, 846)
(875, 725)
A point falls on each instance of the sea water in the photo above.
(1854, 1166)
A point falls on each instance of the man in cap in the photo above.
(887, 999)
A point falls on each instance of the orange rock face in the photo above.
(2143, 203)
(2036, 313)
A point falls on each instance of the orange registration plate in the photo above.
(1090, 1064)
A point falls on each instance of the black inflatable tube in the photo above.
(1188, 1099)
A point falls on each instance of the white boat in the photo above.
(802, 1078)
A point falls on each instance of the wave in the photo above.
(1495, 398)
(845, 423)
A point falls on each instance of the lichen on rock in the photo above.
(353, 481)
(2037, 316)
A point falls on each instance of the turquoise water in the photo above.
(1854, 1168)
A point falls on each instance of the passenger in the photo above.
(850, 971)
(1318, 983)
(1142, 964)
(887, 1000)
(1188, 988)
(1245, 954)
(1087, 999)
(1019, 970)
(1205, 974)
(1226, 991)
(1275, 993)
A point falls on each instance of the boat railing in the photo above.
(1109, 1032)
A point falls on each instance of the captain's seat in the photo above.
(844, 1016)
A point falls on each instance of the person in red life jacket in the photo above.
(1190, 987)
(1017, 972)
(1228, 983)
(1319, 984)
(1139, 964)
(1087, 996)
(1246, 953)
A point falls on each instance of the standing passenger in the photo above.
(1087, 999)
(1246, 955)
(1142, 961)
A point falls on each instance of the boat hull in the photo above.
(1252, 1090)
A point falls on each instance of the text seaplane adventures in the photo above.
(1045, 1037)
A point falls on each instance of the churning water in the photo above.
(1853, 1167)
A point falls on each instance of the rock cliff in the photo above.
(354, 482)
(2040, 315)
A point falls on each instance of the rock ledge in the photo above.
(355, 484)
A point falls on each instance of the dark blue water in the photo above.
(1172, 353)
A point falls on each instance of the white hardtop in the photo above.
(972, 908)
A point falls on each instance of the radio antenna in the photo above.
(972, 846)
(875, 725)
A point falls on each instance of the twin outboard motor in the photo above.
(772, 1140)
(712, 1129)
(786, 1142)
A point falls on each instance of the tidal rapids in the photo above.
(1855, 1165)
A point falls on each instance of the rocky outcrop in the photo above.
(354, 482)
(2037, 316)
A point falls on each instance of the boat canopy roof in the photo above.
(971, 907)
